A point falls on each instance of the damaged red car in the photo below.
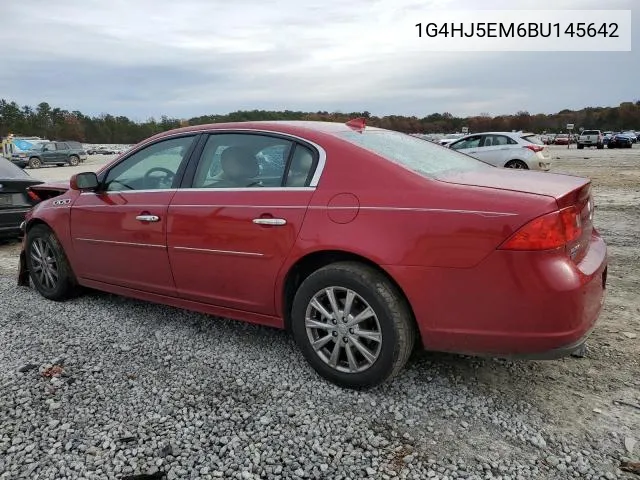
(365, 243)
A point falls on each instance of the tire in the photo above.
(42, 245)
(392, 320)
(519, 164)
(600, 146)
(74, 160)
(580, 146)
(35, 162)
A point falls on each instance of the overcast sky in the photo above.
(186, 58)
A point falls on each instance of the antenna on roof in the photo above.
(357, 123)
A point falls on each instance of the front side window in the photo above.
(152, 168)
(243, 160)
(471, 142)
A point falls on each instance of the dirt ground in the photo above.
(597, 396)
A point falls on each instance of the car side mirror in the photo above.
(84, 181)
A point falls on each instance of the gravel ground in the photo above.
(106, 387)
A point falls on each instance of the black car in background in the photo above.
(15, 198)
(620, 140)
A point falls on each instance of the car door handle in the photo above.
(270, 221)
(148, 218)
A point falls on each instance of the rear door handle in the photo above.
(148, 218)
(270, 221)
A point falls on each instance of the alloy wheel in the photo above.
(343, 330)
(45, 266)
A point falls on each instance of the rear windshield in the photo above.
(535, 139)
(422, 157)
(591, 132)
(9, 171)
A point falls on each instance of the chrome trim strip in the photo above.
(222, 252)
(113, 242)
(120, 192)
(417, 209)
(236, 206)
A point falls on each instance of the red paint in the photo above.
(438, 239)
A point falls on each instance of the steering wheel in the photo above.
(149, 180)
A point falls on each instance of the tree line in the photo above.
(58, 124)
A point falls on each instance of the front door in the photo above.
(119, 232)
(230, 233)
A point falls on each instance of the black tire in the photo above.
(60, 286)
(392, 314)
(600, 146)
(74, 160)
(35, 162)
(518, 164)
(580, 146)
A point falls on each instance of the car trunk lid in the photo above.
(568, 191)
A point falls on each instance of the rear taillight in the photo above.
(534, 148)
(33, 195)
(550, 231)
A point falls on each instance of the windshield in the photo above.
(425, 158)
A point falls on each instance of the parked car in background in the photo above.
(15, 198)
(561, 139)
(591, 138)
(525, 151)
(102, 150)
(450, 138)
(632, 135)
(51, 153)
(199, 208)
(620, 140)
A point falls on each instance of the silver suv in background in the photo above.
(591, 138)
(524, 151)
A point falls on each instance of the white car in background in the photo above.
(449, 139)
(524, 151)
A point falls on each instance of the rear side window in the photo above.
(61, 146)
(425, 158)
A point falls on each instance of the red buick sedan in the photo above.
(363, 242)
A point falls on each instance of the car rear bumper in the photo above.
(526, 304)
(10, 221)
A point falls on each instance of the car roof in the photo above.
(293, 127)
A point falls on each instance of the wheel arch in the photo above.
(309, 263)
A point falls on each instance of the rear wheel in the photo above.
(352, 325)
(35, 162)
(600, 146)
(519, 164)
(580, 146)
(74, 160)
(48, 266)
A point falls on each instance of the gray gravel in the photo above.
(145, 388)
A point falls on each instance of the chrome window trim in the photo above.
(209, 190)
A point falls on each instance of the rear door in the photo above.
(62, 151)
(232, 228)
(498, 150)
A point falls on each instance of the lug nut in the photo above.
(335, 334)
(351, 331)
(345, 339)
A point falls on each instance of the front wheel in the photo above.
(47, 264)
(519, 164)
(352, 325)
(35, 162)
